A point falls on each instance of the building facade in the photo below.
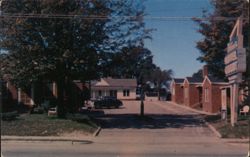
(192, 88)
(211, 99)
(177, 91)
(124, 89)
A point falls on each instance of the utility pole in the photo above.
(142, 103)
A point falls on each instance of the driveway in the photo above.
(167, 128)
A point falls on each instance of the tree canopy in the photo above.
(63, 40)
(216, 32)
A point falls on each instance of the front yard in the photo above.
(241, 130)
(42, 125)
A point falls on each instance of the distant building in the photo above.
(192, 88)
(211, 99)
(39, 92)
(177, 90)
(199, 92)
(124, 89)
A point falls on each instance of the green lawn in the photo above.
(42, 125)
(241, 130)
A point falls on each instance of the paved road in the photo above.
(168, 130)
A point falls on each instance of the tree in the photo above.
(198, 74)
(160, 78)
(56, 45)
(131, 62)
(216, 32)
(216, 36)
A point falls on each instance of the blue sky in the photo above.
(174, 42)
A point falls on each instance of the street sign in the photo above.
(235, 61)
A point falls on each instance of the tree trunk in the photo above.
(61, 108)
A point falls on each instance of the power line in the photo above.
(100, 17)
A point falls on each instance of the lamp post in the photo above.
(142, 103)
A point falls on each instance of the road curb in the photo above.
(212, 128)
(44, 139)
(96, 133)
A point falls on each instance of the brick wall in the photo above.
(206, 102)
(177, 94)
(216, 98)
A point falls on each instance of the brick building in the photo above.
(211, 98)
(177, 90)
(192, 88)
(40, 92)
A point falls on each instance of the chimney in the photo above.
(205, 71)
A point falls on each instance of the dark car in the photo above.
(107, 102)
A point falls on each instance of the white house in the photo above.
(124, 89)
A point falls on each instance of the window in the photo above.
(126, 93)
(206, 95)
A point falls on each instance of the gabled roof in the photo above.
(194, 80)
(121, 82)
(116, 82)
(178, 80)
(214, 80)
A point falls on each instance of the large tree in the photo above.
(63, 40)
(131, 62)
(216, 31)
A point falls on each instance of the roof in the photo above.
(116, 82)
(121, 82)
(215, 80)
(178, 80)
(194, 80)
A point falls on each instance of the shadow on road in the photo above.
(125, 121)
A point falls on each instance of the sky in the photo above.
(174, 42)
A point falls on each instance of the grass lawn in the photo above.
(225, 128)
(42, 125)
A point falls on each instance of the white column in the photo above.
(19, 99)
(234, 103)
(54, 90)
(32, 95)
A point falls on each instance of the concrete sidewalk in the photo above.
(84, 139)
(71, 138)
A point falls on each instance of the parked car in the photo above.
(107, 102)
